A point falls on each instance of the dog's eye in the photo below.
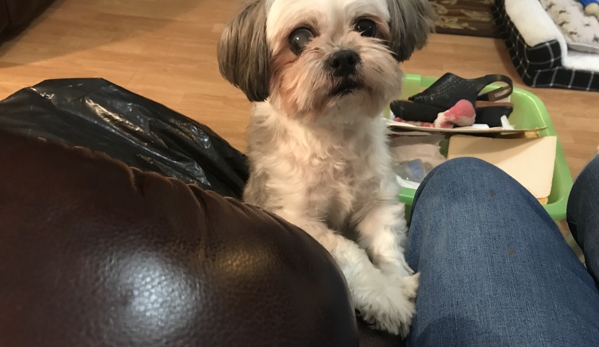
(366, 27)
(299, 39)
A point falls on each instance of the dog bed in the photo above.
(539, 49)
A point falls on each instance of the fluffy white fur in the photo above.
(320, 160)
(326, 178)
(286, 13)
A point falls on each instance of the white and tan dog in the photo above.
(321, 72)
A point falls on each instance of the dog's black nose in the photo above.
(344, 62)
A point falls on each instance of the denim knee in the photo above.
(592, 168)
(467, 171)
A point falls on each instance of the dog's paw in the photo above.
(411, 284)
(390, 305)
(398, 268)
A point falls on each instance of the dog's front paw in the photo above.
(399, 269)
(390, 305)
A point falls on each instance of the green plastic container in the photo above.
(529, 112)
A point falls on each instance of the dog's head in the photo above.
(312, 56)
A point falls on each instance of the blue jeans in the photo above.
(495, 269)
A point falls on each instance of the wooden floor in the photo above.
(166, 51)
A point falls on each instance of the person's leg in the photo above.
(494, 268)
(583, 215)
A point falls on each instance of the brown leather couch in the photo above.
(16, 14)
(95, 253)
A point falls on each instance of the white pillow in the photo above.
(580, 30)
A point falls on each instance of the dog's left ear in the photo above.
(243, 52)
(412, 21)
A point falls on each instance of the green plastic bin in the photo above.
(529, 112)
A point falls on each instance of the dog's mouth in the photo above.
(345, 87)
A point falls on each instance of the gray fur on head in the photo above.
(243, 53)
(411, 23)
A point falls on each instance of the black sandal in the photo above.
(492, 115)
(448, 90)
(489, 113)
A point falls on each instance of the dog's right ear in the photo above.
(243, 52)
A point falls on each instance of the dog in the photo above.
(320, 73)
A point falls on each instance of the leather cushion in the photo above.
(93, 253)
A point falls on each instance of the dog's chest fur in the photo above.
(324, 169)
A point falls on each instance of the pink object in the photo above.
(461, 114)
